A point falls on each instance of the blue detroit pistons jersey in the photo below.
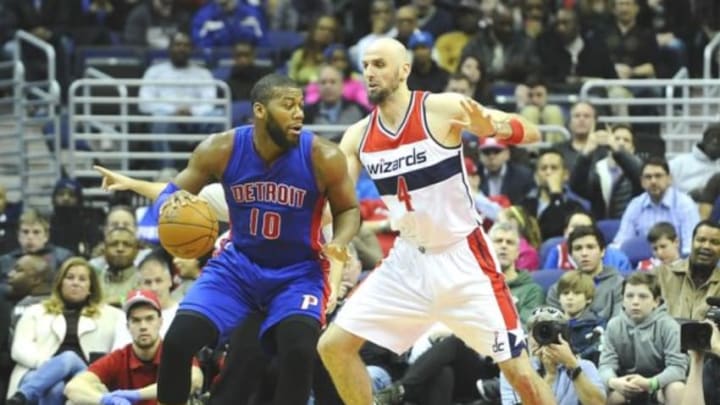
(275, 210)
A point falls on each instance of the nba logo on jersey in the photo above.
(308, 300)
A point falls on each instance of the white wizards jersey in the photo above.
(422, 182)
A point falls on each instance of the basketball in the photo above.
(187, 230)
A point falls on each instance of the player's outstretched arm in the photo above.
(114, 181)
(207, 162)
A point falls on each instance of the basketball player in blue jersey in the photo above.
(441, 267)
(277, 179)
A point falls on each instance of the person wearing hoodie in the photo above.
(693, 169)
(641, 357)
(72, 225)
(587, 248)
(527, 294)
(585, 327)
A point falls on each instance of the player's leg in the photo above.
(296, 338)
(389, 309)
(475, 303)
(672, 394)
(213, 306)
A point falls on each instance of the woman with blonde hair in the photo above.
(530, 238)
(55, 339)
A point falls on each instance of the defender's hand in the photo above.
(477, 120)
(113, 181)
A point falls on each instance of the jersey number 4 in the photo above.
(403, 195)
(269, 226)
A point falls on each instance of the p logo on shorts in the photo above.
(308, 300)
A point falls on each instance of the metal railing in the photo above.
(104, 115)
(36, 105)
(678, 105)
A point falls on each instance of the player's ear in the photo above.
(259, 110)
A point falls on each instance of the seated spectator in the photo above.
(30, 283)
(56, 339)
(74, 226)
(153, 275)
(559, 256)
(304, 64)
(188, 270)
(686, 283)
(425, 74)
(509, 54)
(660, 202)
(33, 237)
(527, 225)
(382, 14)
(709, 199)
(432, 18)
(608, 176)
(9, 216)
(123, 216)
(128, 375)
(665, 245)
(475, 70)
(692, 170)
(119, 274)
(332, 108)
(353, 88)
(582, 122)
(573, 380)
(449, 45)
(244, 72)
(95, 22)
(181, 100)
(153, 23)
(290, 15)
(576, 291)
(551, 198)
(226, 22)
(527, 294)
(570, 58)
(538, 111)
(587, 247)
(641, 355)
(488, 208)
(501, 176)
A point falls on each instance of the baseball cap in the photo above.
(136, 297)
(470, 167)
(491, 143)
(421, 38)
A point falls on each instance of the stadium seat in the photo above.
(547, 246)
(241, 112)
(546, 278)
(637, 249)
(608, 227)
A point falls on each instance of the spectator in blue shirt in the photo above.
(660, 202)
(227, 22)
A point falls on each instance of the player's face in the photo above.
(156, 278)
(383, 77)
(144, 326)
(285, 117)
(76, 284)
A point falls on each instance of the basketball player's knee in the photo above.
(298, 340)
(337, 345)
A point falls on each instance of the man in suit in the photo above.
(500, 175)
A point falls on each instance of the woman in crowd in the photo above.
(55, 339)
(304, 64)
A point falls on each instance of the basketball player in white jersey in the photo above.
(441, 268)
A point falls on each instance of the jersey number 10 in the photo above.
(269, 225)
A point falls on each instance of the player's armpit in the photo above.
(207, 162)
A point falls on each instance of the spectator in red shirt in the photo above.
(128, 375)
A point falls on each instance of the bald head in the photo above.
(386, 67)
(389, 49)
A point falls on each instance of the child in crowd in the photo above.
(665, 245)
(576, 291)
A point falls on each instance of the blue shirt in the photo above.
(642, 213)
(275, 210)
(563, 387)
(213, 27)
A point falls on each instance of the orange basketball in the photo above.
(187, 230)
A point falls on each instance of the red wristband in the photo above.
(518, 132)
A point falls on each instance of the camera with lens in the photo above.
(546, 324)
(697, 336)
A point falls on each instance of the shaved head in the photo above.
(386, 67)
(390, 49)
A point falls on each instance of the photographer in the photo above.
(573, 380)
(704, 371)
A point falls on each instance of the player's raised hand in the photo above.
(113, 181)
(476, 119)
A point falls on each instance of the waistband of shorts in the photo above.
(404, 243)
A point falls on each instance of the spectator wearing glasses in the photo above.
(500, 175)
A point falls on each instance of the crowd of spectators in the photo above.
(590, 232)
